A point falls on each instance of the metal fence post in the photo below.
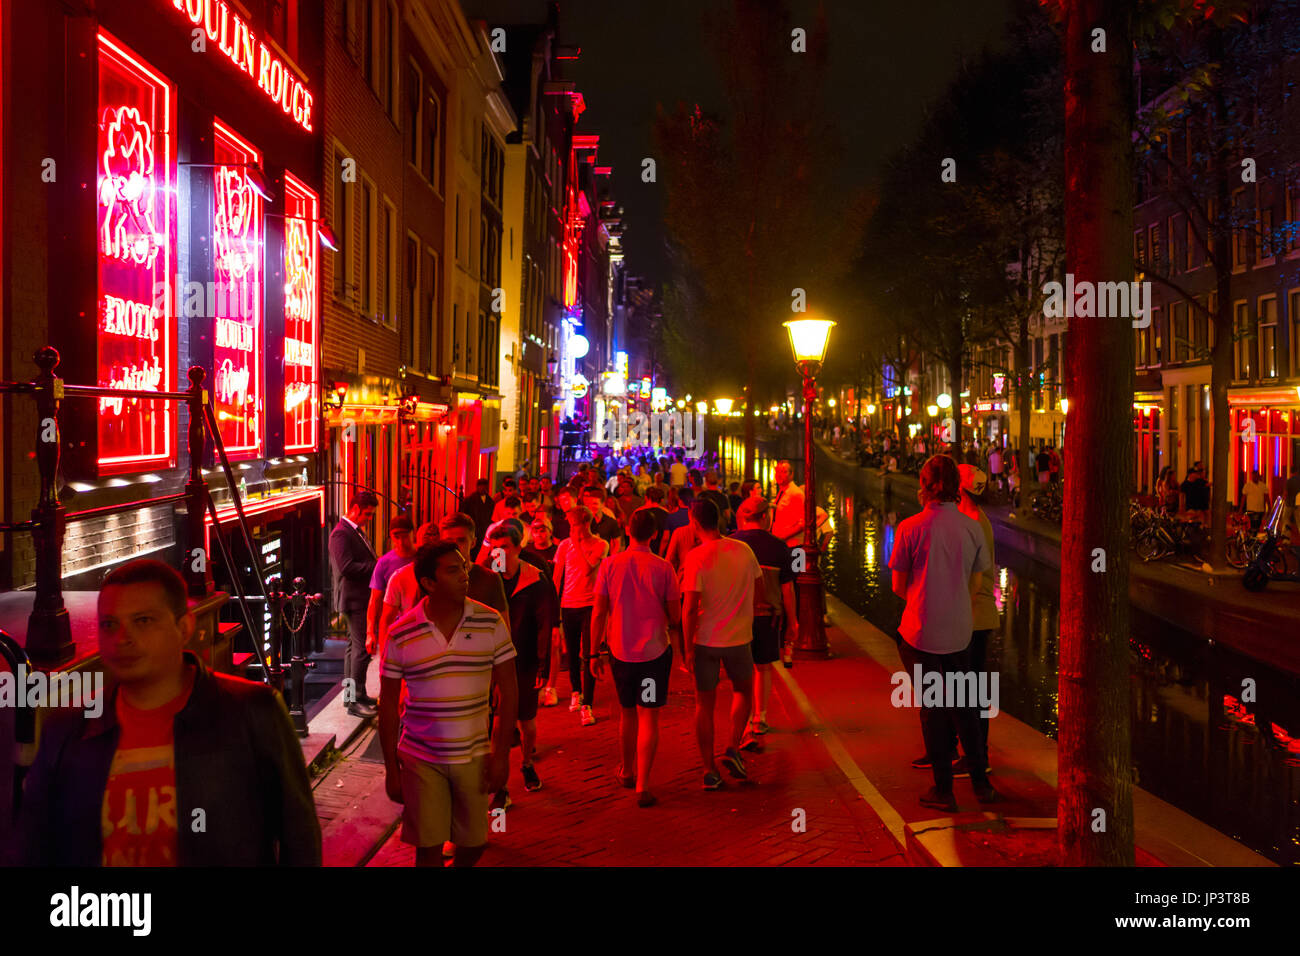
(49, 628)
(198, 567)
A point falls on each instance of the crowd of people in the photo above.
(641, 565)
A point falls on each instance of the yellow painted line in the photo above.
(848, 766)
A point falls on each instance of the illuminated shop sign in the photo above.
(237, 268)
(301, 264)
(228, 32)
(136, 338)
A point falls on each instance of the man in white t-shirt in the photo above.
(788, 514)
(722, 582)
(938, 562)
(637, 602)
(677, 472)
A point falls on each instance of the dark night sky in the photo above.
(888, 61)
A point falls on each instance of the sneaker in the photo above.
(449, 849)
(575, 701)
(758, 727)
(712, 780)
(751, 744)
(531, 780)
(588, 718)
(960, 768)
(735, 766)
(937, 799)
(500, 800)
(986, 794)
(923, 762)
(549, 697)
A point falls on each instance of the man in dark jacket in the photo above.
(480, 507)
(183, 768)
(534, 611)
(353, 561)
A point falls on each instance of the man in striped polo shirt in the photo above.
(449, 650)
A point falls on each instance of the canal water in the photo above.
(1232, 764)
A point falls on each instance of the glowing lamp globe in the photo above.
(723, 405)
(871, 409)
(932, 410)
(944, 400)
(808, 338)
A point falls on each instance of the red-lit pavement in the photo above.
(838, 750)
(583, 817)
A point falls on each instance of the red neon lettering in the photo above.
(213, 30)
(306, 113)
(194, 10)
(247, 60)
(264, 70)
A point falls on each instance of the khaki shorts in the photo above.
(444, 802)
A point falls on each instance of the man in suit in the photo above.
(353, 562)
(480, 507)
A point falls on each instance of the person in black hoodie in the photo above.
(479, 506)
(183, 767)
(534, 610)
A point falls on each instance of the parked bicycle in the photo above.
(1276, 559)
(1165, 536)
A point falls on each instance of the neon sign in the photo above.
(237, 264)
(240, 45)
(136, 327)
(301, 262)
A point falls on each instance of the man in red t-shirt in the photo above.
(183, 768)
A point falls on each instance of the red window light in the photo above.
(301, 269)
(237, 245)
(136, 334)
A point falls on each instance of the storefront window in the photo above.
(237, 271)
(137, 241)
(301, 272)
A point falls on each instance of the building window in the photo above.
(1293, 310)
(412, 353)
(433, 329)
(1190, 260)
(1154, 246)
(483, 250)
(345, 221)
(368, 41)
(1291, 243)
(1264, 245)
(1241, 345)
(1179, 331)
(368, 243)
(1240, 237)
(1268, 337)
(414, 115)
(390, 59)
(433, 164)
(455, 334)
(388, 271)
(482, 351)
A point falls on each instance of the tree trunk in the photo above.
(1221, 370)
(1023, 412)
(1095, 796)
(954, 410)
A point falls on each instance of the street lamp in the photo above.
(808, 338)
(944, 400)
(723, 407)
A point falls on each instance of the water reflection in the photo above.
(1214, 733)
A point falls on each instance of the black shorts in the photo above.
(527, 680)
(767, 638)
(642, 683)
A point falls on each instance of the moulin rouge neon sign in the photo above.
(136, 338)
(240, 45)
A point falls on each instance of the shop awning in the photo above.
(1270, 395)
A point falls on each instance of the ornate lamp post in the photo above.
(808, 338)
